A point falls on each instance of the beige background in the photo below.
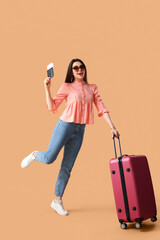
(119, 42)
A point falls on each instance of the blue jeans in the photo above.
(67, 134)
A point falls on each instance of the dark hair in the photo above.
(69, 76)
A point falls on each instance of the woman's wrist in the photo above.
(47, 89)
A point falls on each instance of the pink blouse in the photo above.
(79, 98)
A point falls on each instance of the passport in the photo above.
(50, 70)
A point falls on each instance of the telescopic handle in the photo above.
(113, 136)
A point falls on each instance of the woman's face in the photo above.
(79, 71)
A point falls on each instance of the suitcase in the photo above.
(133, 189)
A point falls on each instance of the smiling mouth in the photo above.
(80, 74)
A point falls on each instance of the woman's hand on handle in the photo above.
(47, 83)
(114, 131)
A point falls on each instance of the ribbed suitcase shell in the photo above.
(139, 188)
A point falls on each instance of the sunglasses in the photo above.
(76, 68)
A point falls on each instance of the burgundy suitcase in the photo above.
(133, 189)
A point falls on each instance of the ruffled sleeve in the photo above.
(60, 96)
(98, 102)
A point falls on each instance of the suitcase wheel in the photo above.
(154, 219)
(123, 225)
(138, 225)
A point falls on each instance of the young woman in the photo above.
(70, 128)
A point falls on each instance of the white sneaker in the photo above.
(58, 207)
(28, 160)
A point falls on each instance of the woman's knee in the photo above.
(65, 171)
(49, 158)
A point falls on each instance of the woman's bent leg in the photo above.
(61, 133)
(71, 150)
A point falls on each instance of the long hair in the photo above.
(69, 76)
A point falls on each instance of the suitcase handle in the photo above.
(113, 136)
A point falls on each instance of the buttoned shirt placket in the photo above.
(83, 102)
